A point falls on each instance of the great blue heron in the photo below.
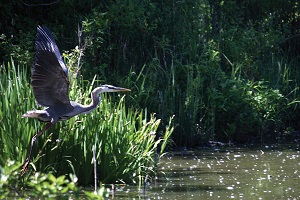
(49, 80)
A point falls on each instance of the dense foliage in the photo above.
(228, 70)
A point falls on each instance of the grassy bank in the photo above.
(126, 139)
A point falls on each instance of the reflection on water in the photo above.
(237, 173)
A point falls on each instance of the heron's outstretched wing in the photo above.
(49, 73)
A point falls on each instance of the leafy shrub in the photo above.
(41, 185)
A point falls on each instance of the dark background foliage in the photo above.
(228, 70)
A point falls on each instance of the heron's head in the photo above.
(109, 88)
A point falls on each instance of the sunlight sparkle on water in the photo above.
(225, 174)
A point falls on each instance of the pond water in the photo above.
(223, 173)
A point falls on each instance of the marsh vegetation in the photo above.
(199, 71)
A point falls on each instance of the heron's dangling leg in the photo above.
(24, 168)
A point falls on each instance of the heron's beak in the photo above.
(120, 89)
(111, 88)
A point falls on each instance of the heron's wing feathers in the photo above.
(49, 73)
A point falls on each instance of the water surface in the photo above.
(223, 173)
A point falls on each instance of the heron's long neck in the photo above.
(95, 101)
(95, 98)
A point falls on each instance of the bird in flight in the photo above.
(49, 80)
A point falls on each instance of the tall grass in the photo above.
(14, 100)
(125, 138)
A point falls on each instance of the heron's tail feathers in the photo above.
(42, 115)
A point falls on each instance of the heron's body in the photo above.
(46, 116)
(49, 114)
(50, 84)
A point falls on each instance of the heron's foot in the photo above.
(24, 168)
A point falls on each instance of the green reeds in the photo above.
(14, 100)
(124, 137)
